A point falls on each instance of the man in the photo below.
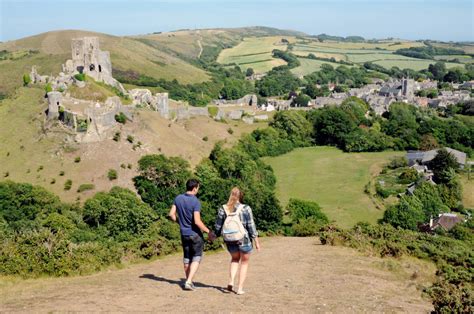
(188, 208)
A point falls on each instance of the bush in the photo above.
(85, 187)
(121, 118)
(117, 136)
(77, 159)
(68, 185)
(26, 79)
(205, 138)
(300, 210)
(80, 77)
(230, 131)
(48, 88)
(397, 162)
(112, 174)
(130, 139)
(306, 228)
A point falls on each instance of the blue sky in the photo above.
(409, 19)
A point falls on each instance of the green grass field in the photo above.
(255, 52)
(379, 53)
(309, 66)
(334, 179)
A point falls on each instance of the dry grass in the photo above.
(31, 147)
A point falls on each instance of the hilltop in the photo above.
(322, 282)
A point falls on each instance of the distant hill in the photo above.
(170, 55)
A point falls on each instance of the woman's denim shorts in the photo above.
(234, 247)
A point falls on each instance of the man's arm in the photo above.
(172, 213)
(198, 222)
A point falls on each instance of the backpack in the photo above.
(233, 230)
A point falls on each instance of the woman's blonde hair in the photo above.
(236, 195)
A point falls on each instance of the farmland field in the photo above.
(335, 180)
(254, 52)
(379, 53)
(309, 66)
(415, 64)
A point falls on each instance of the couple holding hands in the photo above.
(234, 222)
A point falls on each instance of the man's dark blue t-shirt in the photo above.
(186, 205)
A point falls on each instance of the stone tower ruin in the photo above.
(87, 58)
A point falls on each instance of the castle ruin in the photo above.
(87, 58)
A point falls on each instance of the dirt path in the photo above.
(289, 274)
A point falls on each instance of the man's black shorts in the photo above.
(192, 248)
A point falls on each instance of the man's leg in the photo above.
(186, 270)
(196, 255)
(192, 271)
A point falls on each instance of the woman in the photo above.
(239, 250)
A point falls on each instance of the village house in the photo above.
(424, 157)
(444, 221)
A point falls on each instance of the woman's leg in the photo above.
(244, 265)
(234, 266)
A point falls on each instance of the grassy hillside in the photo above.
(255, 52)
(54, 48)
(36, 156)
(334, 179)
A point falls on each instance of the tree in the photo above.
(428, 142)
(249, 72)
(119, 213)
(407, 214)
(160, 180)
(331, 126)
(438, 70)
(294, 126)
(301, 100)
(443, 165)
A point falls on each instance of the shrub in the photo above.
(62, 173)
(26, 79)
(408, 176)
(68, 185)
(230, 131)
(121, 118)
(306, 227)
(130, 139)
(80, 77)
(117, 136)
(53, 181)
(85, 187)
(398, 162)
(77, 159)
(48, 88)
(205, 138)
(112, 174)
(300, 210)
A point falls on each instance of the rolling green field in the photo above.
(334, 179)
(380, 53)
(255, 52)
(309, 66)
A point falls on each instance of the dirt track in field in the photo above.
(288, 275)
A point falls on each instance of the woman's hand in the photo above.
(257, 245)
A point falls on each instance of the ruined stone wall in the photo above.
(54, 101)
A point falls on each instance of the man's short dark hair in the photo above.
(191, 184)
